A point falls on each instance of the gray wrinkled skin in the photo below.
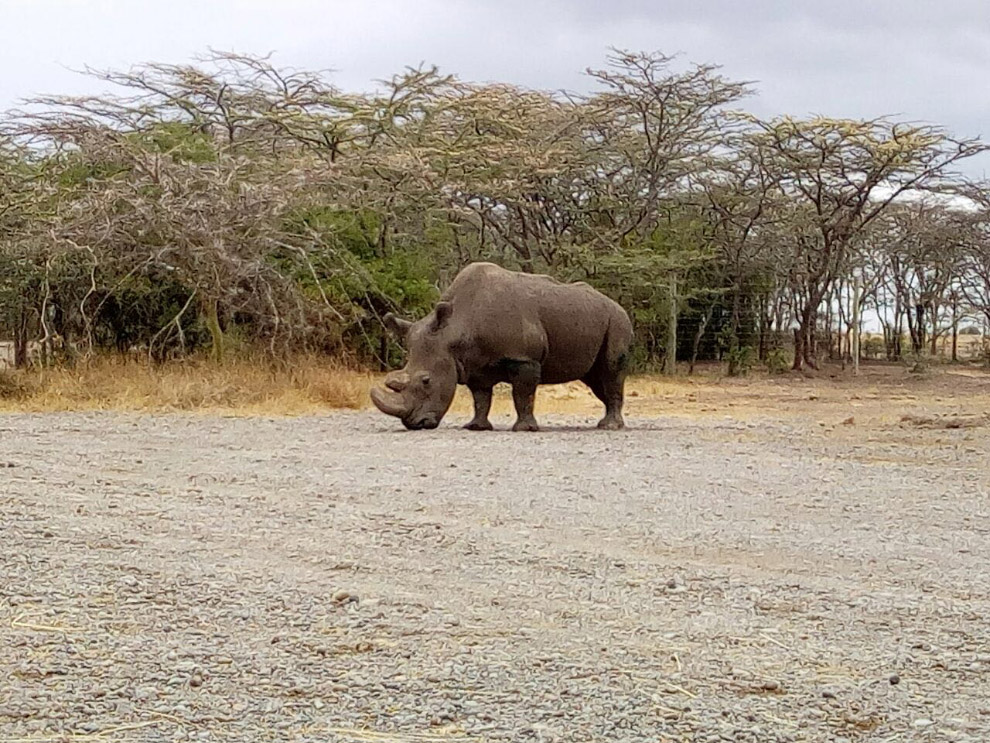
(494, 325)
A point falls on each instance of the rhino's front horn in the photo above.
(388, 402)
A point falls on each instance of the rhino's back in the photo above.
(518, 315)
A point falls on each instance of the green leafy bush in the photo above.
(741, 360)
(777, 361)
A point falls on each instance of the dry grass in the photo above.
(882, 393)
(243, 386)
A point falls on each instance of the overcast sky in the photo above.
(914, 59)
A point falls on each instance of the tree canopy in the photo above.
(234, 204)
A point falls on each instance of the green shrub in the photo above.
(741, 360)
(777, 361)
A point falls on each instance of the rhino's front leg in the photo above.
(524, 384)
(482, 405)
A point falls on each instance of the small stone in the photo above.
(894, 680)
(196, 681)
(827, 694)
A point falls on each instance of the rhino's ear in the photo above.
(441, 314)
(397, 326)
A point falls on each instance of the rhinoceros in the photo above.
(494, 325)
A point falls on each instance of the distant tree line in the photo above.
(231, 205)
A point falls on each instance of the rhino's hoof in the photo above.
(479, 426)
(526, 426)
(611, 424)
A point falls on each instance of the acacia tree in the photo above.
(975, 281)
(149, 189)
(740, 204)
(651, 129)
(927, 257)
(25, 268)
(847, 173)
(974, 278)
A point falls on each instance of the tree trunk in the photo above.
(211, 316)
(898, 336)
(763, 343)
(735, 316)
(798, 349)
(21, 340)
(955, 329)
(854, 341)
(809, 321)
(830, 339)
(696, 344)
(670, 352)
(919, 328)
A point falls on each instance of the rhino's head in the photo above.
(421, 393)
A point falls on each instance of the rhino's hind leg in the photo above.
(608, 387)
(482, 405)
(524, 383)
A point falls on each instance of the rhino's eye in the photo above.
(426, 381)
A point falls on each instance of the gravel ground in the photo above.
(334, 578)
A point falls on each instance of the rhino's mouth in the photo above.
(428, 422)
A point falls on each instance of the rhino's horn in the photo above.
(397, 381)
(388, 402)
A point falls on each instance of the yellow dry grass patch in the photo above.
(243, 386)
(311, 385)
(251, 387)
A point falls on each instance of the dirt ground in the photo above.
(756, 560)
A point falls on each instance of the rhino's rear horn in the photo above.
(397, 381)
